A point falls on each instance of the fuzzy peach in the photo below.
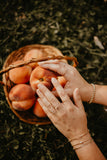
(33, 53)
(22, 97)
(62, 80)
(38, 111)
(41, 75)
(20, 74)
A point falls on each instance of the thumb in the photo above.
(77, 98)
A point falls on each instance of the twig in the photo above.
(2, 83)
(91, 51)
(98, 54)
(4, 40)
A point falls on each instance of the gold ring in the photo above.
(52, 110)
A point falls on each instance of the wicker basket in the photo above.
(26, 116)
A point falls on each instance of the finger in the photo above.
(43, 105)
(68, 91)
(52, 115)
(61, 68)
(64, 97)
(45, 108)
(49, 96)
(56, 67)
(77, 98)
(45, 102)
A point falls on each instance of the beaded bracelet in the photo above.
(93, 94)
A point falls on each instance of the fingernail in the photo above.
(37, 91)
(39, 101)
(53, 79)
(40, 85)
(40, 63)
(77, 90)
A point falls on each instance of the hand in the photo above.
(74, 79)
(69, 118)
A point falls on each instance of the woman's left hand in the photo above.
(68, 117)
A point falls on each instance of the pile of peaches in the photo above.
(26, 79)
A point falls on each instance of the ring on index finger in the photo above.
(57, 107)
(52, 109)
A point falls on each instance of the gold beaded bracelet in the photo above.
(93, 94)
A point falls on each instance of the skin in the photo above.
(70, 126)
(69, 116)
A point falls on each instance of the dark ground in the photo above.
(70, 26)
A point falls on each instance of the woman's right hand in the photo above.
(73, 77)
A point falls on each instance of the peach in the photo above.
(38, 111)
(22, 97)
(34, 53)
(20, 74)
(41, 75)
(62, 80)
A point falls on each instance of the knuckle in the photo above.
(73, 70)
(62, 94)
(70, 109)
(63, 115)
(52, 100)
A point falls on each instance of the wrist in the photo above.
(86, 92)
(81, 141)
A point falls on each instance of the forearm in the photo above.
(89, 151)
